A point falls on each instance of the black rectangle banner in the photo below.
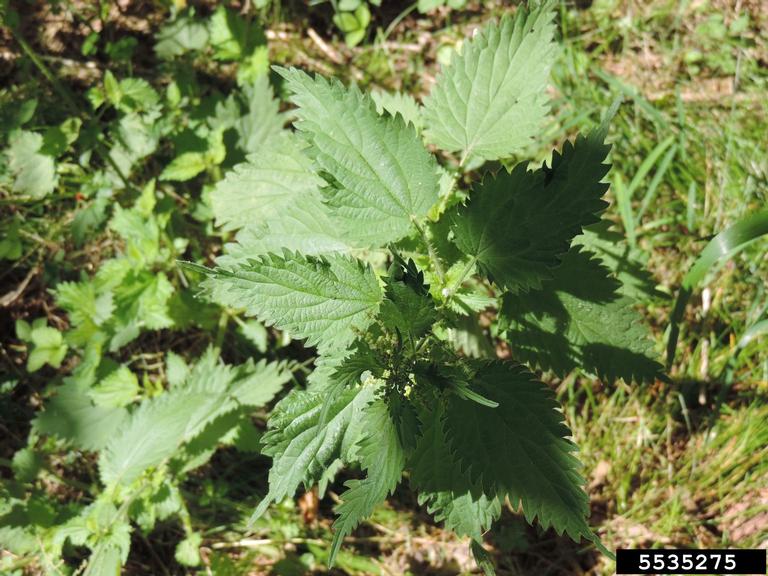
(667, 561)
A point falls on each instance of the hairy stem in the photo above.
(434, 258)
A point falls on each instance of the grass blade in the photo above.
(722, 246)
(648, 163)
(624, 204)
(650, 194)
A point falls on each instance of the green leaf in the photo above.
(325, 300)
(580, 319)
(304, 228)
(383, 460)
(72, 416)
(253, 66)
(723, 246)
(26, 464)
(230, 388)
(444, 487)
(482, 557)
(490, 102)
(188, 550)
(176, 369)
(185, 167)
(394, 103)
(134, 94)
(188, 421)
(48, 347)
(57, 139)
(136, 137)
(111, 88)
(117, 389)
(183, 35)
(260, 189)
(152, 434)
(626, 263)
(11, 247)
(109, 538)
(408, 308)
(23, 330)
(520, 449)
(141, 302)
(228, 33)
(88, 310)
(348, 372)
(303, 444)
(519, 224)
(263, 126)
(380, 175)
(256, 333)
(105, 560)
(33, 173)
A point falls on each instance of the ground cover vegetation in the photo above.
(294, 288)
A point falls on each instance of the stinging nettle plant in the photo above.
(354, 238)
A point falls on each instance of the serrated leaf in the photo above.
(380, 175)
(152, 434)
(188, 550)
(131, 94)
(348, 372)
(482, 557)
(408, 308)
(88, 310)
(229, 34)
(189, 420)
(72, 416)
(303, 445)
(580, 319)
(176, 369)
(26, 464)
(256, 333)
(519, 224)
(520, 449)
(229, 388)
(106, 559)
(324, 300)
(259, 189)
(444, 487)
(180, 36)
(33, 173)
(401, 103)
(625, 262)
(48, 347)
(263, 125)
(490, 101)
(117, 389)
(185, 167)
(383, 459)
(136, 137)
(304, 228)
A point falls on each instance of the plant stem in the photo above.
(221, 330)
(433, 256)
(460, 280)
